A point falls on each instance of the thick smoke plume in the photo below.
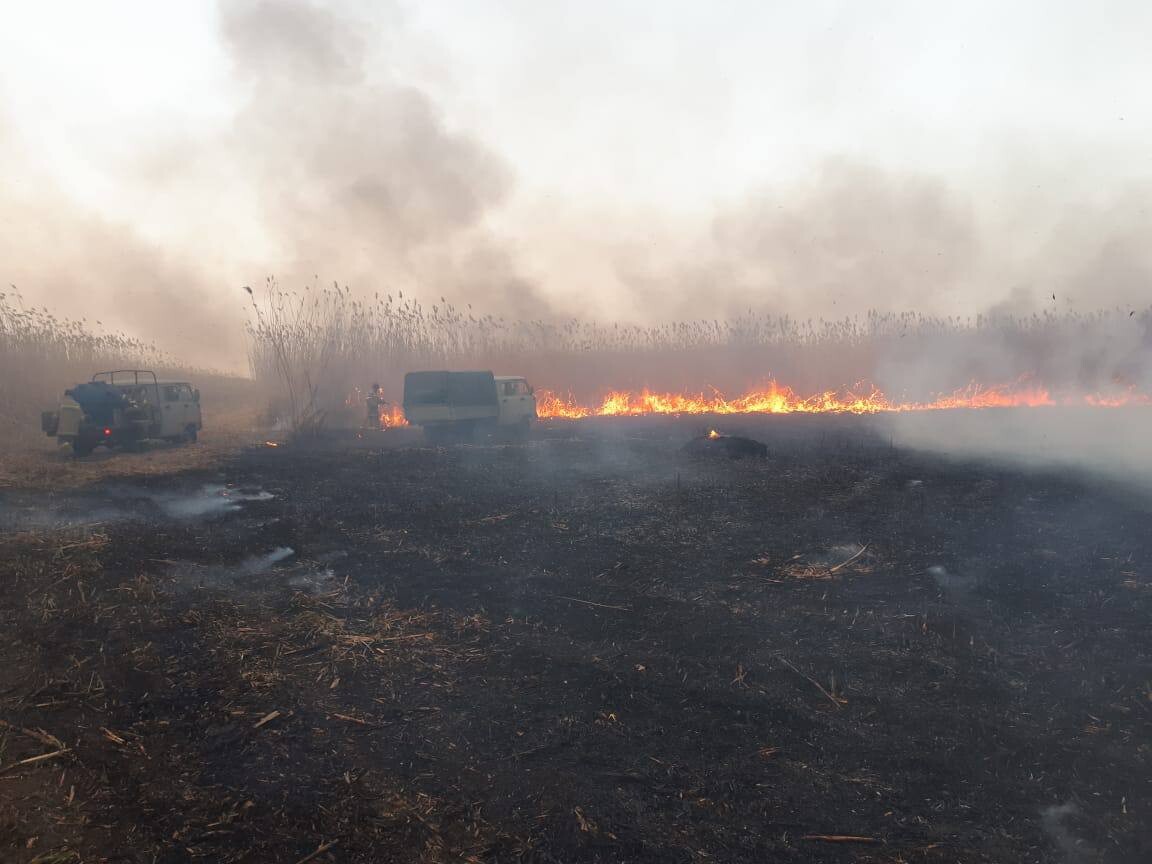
(363, 173)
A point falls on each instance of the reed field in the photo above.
(322, 348)
(42, 354)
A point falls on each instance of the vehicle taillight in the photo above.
(107, 432)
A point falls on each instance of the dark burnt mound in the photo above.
(714, 445)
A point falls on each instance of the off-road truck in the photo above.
(122, 409)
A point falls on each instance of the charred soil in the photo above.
(586, 648)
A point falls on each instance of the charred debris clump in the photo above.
(712, 444)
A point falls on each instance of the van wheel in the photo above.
(190, 434)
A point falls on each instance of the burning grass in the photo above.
(779, 399)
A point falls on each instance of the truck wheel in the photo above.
(190, 434)
(82, 448)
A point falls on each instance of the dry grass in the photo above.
(41, 355)
(38, 464)
(321, 348)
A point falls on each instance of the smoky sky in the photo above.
(333, 163)
(364, 175)
(83, 265)
(849, 238)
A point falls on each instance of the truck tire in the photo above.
(191, 434)
(81, 447)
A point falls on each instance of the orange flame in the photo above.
(392, 417)
(861, 399)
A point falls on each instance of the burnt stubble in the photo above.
(587, 648)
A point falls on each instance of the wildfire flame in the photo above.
(862, 399)
(776, 398)
(392, 417)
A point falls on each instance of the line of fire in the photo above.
(775, 398)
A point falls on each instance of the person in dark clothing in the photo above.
(372, 408)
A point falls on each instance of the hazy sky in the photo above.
(633, 159)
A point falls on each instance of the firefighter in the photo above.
(372, 408)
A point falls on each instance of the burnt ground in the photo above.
(583, 649)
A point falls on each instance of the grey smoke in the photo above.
(363, 173)
(261, 563)
(81, 264)
(849, 237)
(1055, 821)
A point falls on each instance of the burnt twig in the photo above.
(267, 718)
(590, 603)
(837, 702)
(43, 757)
(840, 838)
(324, 847)
(844, 564)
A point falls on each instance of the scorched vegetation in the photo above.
(587, 649)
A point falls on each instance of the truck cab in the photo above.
(517, 400)
(180, 410)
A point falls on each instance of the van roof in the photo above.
(162, 382)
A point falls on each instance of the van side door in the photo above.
(191, 407)
(171, 410)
